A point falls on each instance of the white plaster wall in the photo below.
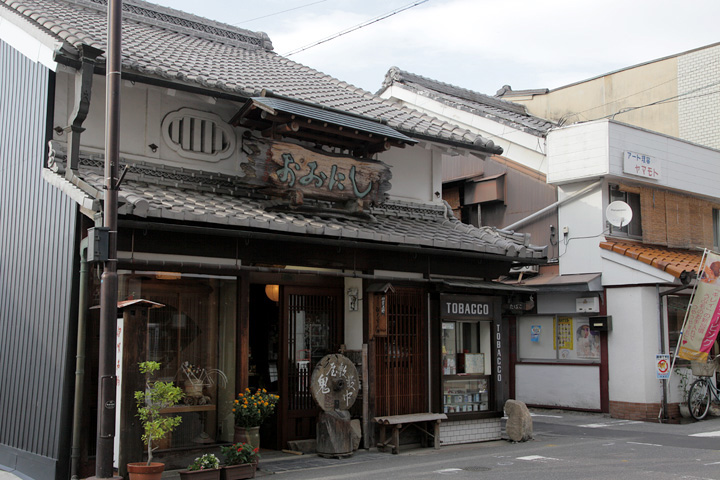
(521, 147)
(577, 153)
(633, 344)
(594, 149)
(416, 173)
(584, 219)
(618, 269)
(574, 386)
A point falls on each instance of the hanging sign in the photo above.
(294, 171)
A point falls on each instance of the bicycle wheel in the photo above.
(699, 399)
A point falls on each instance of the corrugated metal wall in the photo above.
(36, 253)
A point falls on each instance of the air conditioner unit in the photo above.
(587, 304)
(528, 269)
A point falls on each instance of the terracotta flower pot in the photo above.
(238, 472)
(143, 471)
(209, 474)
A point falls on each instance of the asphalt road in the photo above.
(565, 446)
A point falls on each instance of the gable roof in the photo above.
(681, 264)
(169, 45)
(501, 111)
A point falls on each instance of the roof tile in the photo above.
(677, 262)
(170, 44)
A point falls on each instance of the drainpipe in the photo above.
(79, 363)
(553, 206)
(83, 90)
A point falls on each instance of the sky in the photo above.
(480, 45)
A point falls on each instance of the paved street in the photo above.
(567, 445)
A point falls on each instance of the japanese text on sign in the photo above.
(641, 165)
(291, 172)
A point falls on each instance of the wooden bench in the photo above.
(400, 422)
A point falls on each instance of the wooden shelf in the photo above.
(189, 408)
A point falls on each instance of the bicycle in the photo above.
(702, 390)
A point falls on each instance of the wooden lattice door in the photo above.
(401, 366)
(312, 324)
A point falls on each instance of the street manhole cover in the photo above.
(476, 469)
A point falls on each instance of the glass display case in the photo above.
(462, 395)
(465, 362)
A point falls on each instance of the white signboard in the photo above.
(641, 165)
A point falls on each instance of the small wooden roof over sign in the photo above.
(135, 302)
(280, 117)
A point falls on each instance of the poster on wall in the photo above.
(535, 333)
(703, 318)
(587, 342)
(564, 334)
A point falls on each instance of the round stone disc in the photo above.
(335, 383)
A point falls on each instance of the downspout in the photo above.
(79, 363)
(552, 206)
(83, 90)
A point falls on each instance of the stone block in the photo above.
(519, 422)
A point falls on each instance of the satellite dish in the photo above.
(618, 213)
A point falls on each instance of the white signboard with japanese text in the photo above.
(641, 165)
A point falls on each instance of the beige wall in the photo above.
(617, 94)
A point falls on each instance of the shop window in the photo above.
(466, 364)
(716, 228)
(634, 228)
(192, 336)
(557, 338)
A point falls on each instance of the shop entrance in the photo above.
(311, 328)
(288, 337)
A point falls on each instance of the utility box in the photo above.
(98, 241)
(587, 304)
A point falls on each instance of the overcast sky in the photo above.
(476, 44)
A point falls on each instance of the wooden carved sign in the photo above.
(296, 171)
(334, 383)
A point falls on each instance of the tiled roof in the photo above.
(678, 263)
(165, 43)
(151, 191)
(502, 111)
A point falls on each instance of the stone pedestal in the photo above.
(336, 434)
(519, 423)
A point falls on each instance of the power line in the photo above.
(278, 13)
(356, 27)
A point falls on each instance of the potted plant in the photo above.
(251, 410)
(156, 426)
(240, 461)
(205, 467)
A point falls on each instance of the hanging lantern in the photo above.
(272, 292)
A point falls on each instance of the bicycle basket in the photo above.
(700, 369)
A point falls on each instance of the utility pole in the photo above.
(107, 379)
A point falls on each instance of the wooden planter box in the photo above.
(211, 474)
(238, 472)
